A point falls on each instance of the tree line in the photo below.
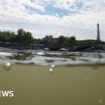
(21, 36)
(24, 37)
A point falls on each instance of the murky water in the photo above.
(66, 85)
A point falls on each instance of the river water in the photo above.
(74, 58)
(66, 85)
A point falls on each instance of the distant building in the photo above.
(92, 45)
(98, 33)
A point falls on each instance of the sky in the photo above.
(54, 17)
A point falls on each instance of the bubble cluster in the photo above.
(51, 69)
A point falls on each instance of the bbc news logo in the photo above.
(7, 93)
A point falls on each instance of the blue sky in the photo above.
(54, 17)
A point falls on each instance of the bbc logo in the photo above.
(6, 93)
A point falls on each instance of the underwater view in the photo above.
(64, 85)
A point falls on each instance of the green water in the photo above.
(67, 85)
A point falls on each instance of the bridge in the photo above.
(86, 46)
(90, 44)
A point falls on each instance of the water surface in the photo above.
(66, 85)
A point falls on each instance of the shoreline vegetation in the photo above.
(22, 40)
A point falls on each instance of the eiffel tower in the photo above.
(98, 33)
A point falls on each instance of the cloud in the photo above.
(82, 24)
(75, 5)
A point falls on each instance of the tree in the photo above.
(24, 37)
(28, 37)
(20, 35)
(21, 32)
(47, 40)
(61, 41)
(72, 39)
(7, 36)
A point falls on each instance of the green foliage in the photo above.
(72, 39)
(7, 36)
(47, 40)
(20, 37)
(24, 37)
(66, 41)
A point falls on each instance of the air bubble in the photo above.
(7, 66)
(52, 66)
(51, 70)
